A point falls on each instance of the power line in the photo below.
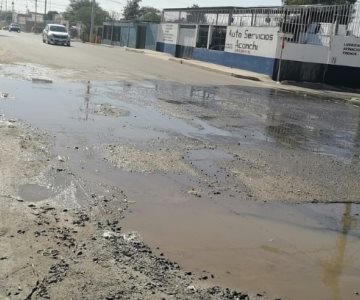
(117, 2)
(57, 5)
(43, 2)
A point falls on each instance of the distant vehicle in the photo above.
(56, 34)
(14, 27)
(217, 47)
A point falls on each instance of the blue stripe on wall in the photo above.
(252, 63)
(167, 48)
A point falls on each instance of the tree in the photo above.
(80, 11)
(50, 15)
(7, 16)
(196, 16)
(310, 2)
(132, 9)
(114, 16)
(148, 13)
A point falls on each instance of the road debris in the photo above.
(41, 80)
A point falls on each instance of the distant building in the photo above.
(59, 19)
(134, 34)
(317, 43)
(27, 21)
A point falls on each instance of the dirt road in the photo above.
(84, 61)
(53, 250)
(140, 163)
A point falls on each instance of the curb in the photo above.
(107, 46)
(134, 50)
(206, 68)
(355, 101)
(189, 63)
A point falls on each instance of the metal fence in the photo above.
(316, 24)
(207, 16)
(307, 24)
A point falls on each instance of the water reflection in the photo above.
(86, 109)
(202, 94)
(325, 127)
(316, 124)
(333, 268)
(356, 145)
(289, 134)
(180, 94)
(291, 120)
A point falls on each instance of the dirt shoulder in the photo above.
(50, 250)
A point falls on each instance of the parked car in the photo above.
(14, 27)
(217, 47)
(56, 34)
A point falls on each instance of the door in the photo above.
(187, 41)
(141, 37)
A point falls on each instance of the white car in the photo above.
(56, 34)
(14, 27)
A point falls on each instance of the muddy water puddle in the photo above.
(34, 192)
(231, 113)
(291, 251)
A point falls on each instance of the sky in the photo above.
(117, 5)
(186, 3)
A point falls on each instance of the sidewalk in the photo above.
(237, 73)
(317, 89)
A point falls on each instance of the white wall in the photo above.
(168, 33)
(187, 36)
(265, 42)
(257, 41)
(305, 53)
(345, 50)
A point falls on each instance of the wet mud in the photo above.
(34, 192)
(258, 187)
(50, 249)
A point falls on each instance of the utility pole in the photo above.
(35, 15)
(283, 37)
(92, 20)
(45, 7)
(281, 56)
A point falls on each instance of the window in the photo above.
(218, 38)
(202, 40)
(58, 28)
(107, 32)
(116, 34)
